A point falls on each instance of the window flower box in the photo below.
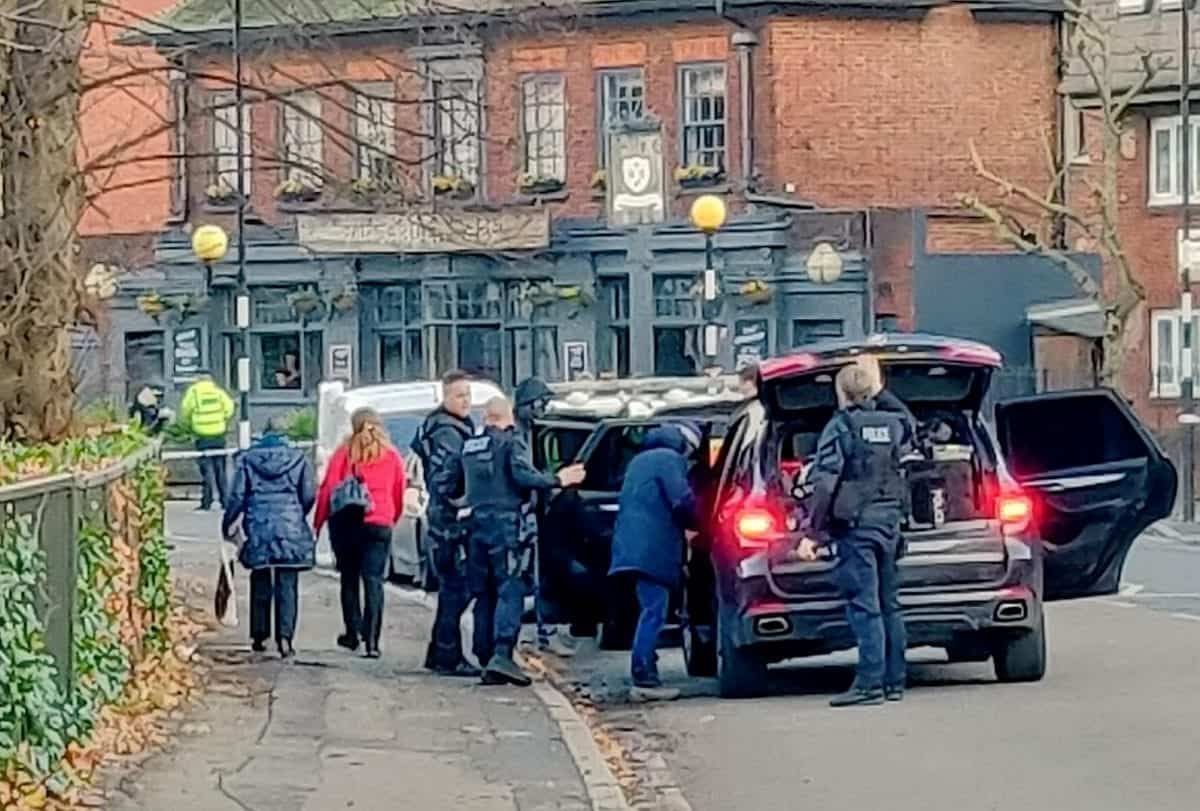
(698, 176)
(297, 191)
(533, 185)
(452, 186)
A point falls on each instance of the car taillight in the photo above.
(756, 527)
(1015, 512)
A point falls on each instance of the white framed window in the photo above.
(1171, 5)
(1133, 6)
(622, 98)
(303, 142)
(1166, 141)
(1074, 133)
(225, 142)
(544, 126)
(456, 128)
(375, 131)
(1166, 349)
(702, 115)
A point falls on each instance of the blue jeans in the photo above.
(653, 598)
(869, 579)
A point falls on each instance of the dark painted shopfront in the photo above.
(369, 299)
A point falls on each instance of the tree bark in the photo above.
(41, 287)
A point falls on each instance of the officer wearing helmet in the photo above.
(531, 398)
(856, 502)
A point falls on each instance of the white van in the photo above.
(402, 407)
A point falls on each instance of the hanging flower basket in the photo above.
(698, 176)
(151, 304)
(756, 291)
(345, 299)
(533, 185)
(304, 302)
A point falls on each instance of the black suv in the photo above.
(577, 524)
(1042, 505)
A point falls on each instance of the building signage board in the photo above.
(340, 362)
(576, 354)
(636, 183)
(425, 231)
(749, 342)
(185, 354)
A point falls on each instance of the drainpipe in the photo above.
(744, 41)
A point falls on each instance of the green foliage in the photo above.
(38, 720)
(176, 433)
(302, 425)
(154, 587)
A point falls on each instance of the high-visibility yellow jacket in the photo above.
(206, 409)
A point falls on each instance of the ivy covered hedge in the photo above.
(122, 599)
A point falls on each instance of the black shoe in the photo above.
(489, 679)
(372, 653)
(259, 646)
(858, 697)
(462, 670)
(286, 651)
(348, 641)
(893, 693)
(505, 669)
(203, 508)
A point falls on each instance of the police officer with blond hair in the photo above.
(856, 503)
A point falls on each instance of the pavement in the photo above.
(333, 730)
(1113, 725)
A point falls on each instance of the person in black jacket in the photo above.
(497, 476)
(438, 444)
(856, 503)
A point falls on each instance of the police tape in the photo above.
(175, 456)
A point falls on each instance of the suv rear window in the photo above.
(912, 383)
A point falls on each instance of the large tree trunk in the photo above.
(40, 285)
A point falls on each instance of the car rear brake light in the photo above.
(1015, 512)
(757, 527)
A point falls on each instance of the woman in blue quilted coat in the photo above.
(273, 491)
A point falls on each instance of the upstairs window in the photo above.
(456, 129)
(225, 144)
(302, 139)
(544, 130)
(375, 131)
(1166, 162)
(703, 115)
(622, 98)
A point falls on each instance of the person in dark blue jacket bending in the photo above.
(657, 509)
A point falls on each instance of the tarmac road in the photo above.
(1114, 725)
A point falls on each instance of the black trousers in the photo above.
(212, 471)
(450, 561)
(362, 555)
(280, 589)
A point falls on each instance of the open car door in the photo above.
(1098, 479)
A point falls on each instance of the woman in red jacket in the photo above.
(363, 542)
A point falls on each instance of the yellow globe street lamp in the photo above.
(708, 215)
(210, 243)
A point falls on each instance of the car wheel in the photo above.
(699, 645)
(741, 672)
(1022, 658)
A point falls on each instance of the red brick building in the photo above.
(802, 117)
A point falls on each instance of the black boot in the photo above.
(348, 641)
(286, 651)
(259, 646)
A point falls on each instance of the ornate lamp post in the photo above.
(210, 243)
(708, 215)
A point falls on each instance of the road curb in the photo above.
(604, 792)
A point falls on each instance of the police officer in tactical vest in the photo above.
(856, 504)
(438, 444)
(498, 477)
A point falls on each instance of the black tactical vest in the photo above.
(872, 474)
